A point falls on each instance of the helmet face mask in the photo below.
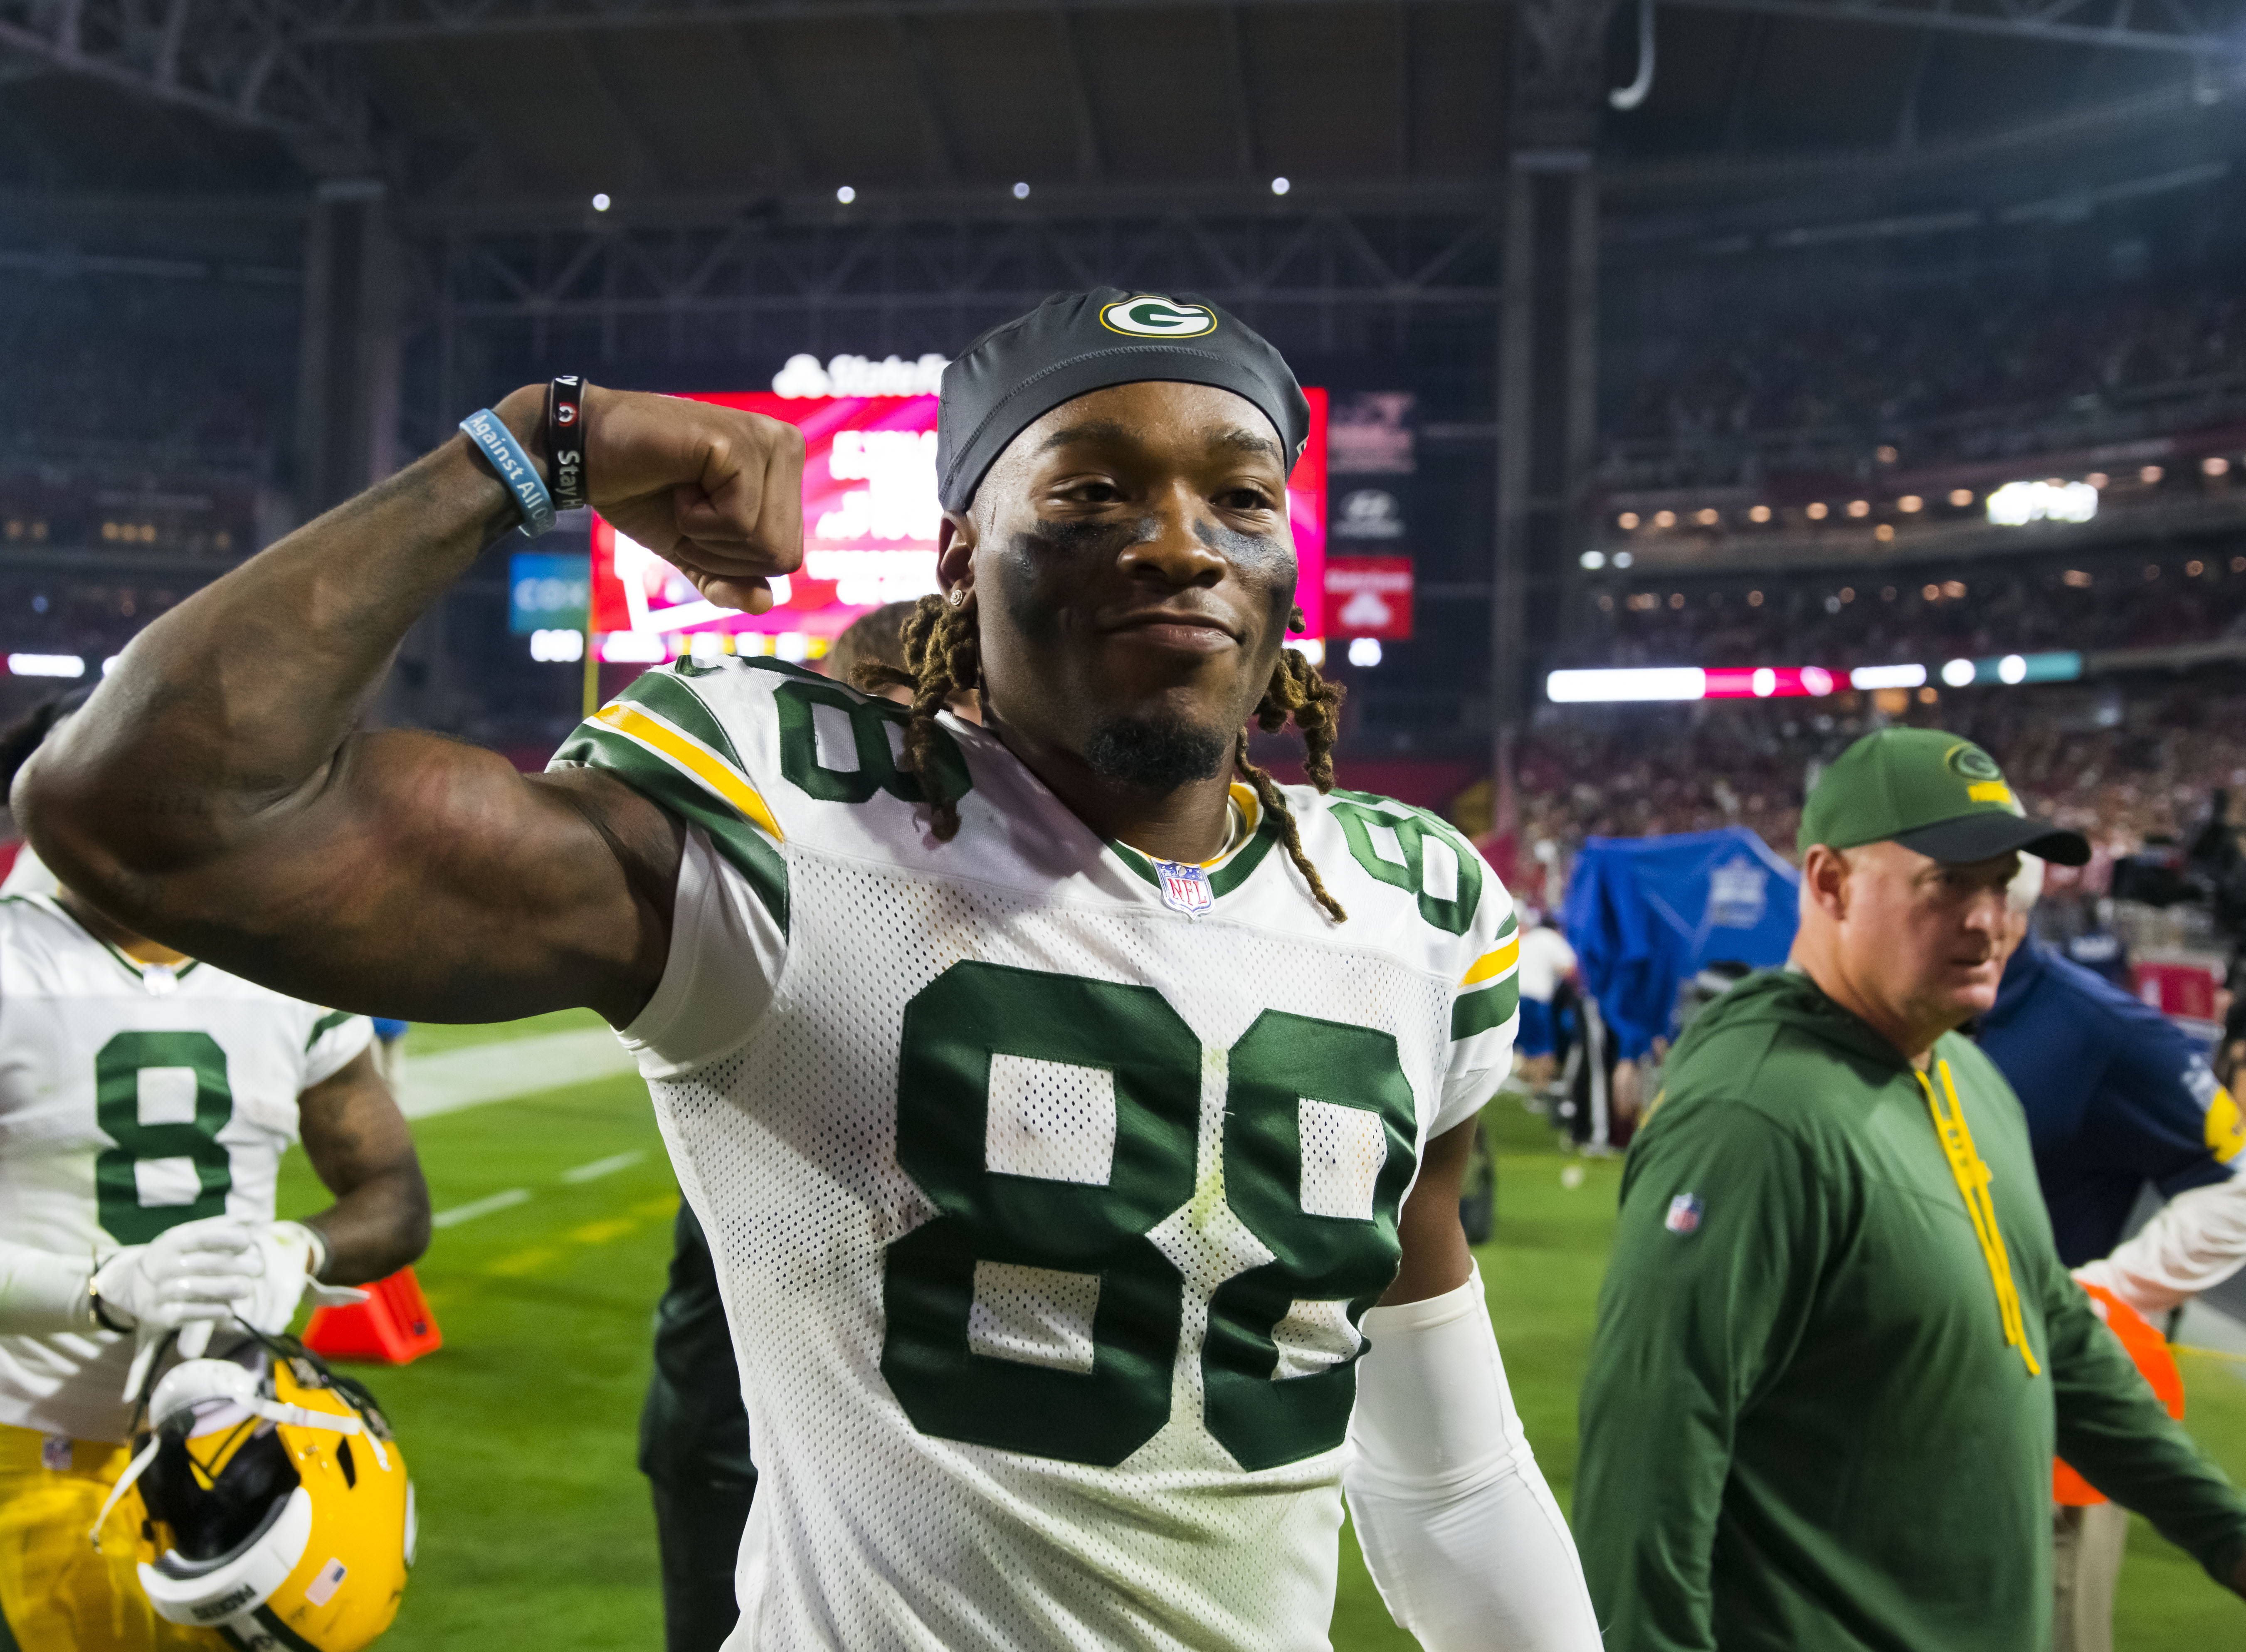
(279, 1509)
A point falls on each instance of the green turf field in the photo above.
(535, 1530)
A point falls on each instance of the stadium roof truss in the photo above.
(289, 65)
(2199, 28)
(243, 62)
(1384, 263)
(2208, 27)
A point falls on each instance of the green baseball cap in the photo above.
(1931, 792)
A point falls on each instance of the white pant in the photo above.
(2086, 1545)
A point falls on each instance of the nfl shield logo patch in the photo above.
(1185, 888)
(1684, 1213)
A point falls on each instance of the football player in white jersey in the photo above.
(146, 1099)
(1059, 1097)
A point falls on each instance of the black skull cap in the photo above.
(1074, 344)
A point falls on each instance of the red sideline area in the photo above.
(393, 1326)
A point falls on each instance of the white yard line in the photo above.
(451, 1079)
(469, 1212)
(601, 1167)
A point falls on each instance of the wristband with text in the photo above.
(515, 471)
(565, 439)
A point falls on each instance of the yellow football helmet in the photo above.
(280, 1513)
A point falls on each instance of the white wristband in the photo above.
(41, 1291)
(315, 1241)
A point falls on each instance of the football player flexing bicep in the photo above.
(1070, 1090)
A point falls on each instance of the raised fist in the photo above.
(715, 492)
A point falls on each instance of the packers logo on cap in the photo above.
(1150, 317)
(1985, 782)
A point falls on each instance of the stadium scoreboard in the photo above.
(870, 515)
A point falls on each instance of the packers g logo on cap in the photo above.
(1147, 316)
(1985, 782)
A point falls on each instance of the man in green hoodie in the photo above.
(1836, 1349)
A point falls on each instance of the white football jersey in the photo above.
(1044, 1209)
(132, 1097)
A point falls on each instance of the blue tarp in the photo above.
(1643, 914)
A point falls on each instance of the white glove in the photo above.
(197, 1276)
(290, 1251)
(187, 1278)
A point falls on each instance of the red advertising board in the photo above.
(1369, 596)
(870, 522)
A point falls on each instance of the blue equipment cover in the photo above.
(1644, 914)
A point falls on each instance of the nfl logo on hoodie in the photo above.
(1185, 888)
(1684, 1213)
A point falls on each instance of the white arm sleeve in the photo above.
(2193, 1243)
(41, 1291)
(1459, 1529)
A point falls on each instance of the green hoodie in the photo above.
(1804, 1428)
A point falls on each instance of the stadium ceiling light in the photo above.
(1758, 514)
(2215, 465)
(1957, 673)
(601, 203)
(1816, 510)
(1627, 520)
(2149, 474)
(46, 665)
(1626, 682)
(1868, 677)
(1020, 192)
(1365, 650)
(1594, 560)
(1280, 186)
(1961, 497)
(2012, 668)
(2017, 504)
(846, 195)
(1911, 504)
(1623, 559)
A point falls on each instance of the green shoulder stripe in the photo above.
(1235, 871)
(745, 848)
(769, 663)
(326, 1024)
(670, 698)
(1492, 1006)
(1511, 926)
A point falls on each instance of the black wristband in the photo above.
(565, 447)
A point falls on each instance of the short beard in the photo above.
(1156, 754)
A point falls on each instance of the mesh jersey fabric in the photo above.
(1043, 1214)
(132, 1097)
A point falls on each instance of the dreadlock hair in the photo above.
(944, 657)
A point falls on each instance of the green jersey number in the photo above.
(117, 1072)
(869, 722)
(1090, 1240)
(1360, 813)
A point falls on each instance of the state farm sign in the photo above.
(1369, 596)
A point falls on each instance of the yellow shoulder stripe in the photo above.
(1251, 807)
(1494, 963)
(711, 771)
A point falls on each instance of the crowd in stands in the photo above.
(2129, 769)
(2115, 602)
(151, 368)
(1928, 369)
(1936, 355)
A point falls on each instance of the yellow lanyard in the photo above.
(1973, 1178)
